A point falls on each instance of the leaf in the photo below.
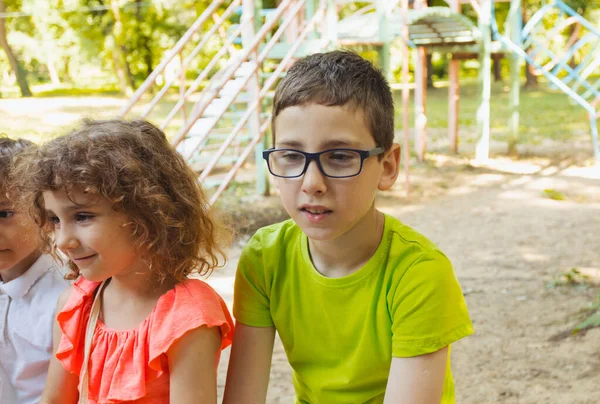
(592, 321)
(554, 195)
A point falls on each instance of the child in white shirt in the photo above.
(30, 283)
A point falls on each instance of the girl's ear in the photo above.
(391, 166)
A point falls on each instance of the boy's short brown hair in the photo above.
(340, 78)
(9, 148)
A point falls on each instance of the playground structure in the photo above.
(221, 118)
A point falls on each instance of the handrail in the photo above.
(191, 57)
(201, 106)
(194, 86)
(170, 55)
(263, 92)
(261, 57)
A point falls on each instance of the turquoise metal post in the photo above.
(383, 11)
(482, 150)
(513, 28)
(309, 10)
(594, 129)
(332, 18)
(453, 92)
(251, 9)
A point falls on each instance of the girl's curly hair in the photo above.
(9, 149)
(133, 165)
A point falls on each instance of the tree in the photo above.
(531, 81)
(14, 62)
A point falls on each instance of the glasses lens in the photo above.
(286, 163)
(340, 163)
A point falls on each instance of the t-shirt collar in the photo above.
(17, 288)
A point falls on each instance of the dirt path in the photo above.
(508, 241)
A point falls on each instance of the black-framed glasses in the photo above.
(333, 163)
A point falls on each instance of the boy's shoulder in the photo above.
(272, 235)
(407, 245)
(406, 235)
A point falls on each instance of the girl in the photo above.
(128, 213)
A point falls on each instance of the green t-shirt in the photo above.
(340, 334)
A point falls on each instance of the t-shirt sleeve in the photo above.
(251, 303)
(428, 308)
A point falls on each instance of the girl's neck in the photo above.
(138, 282)
(348, 253)
(128, 299)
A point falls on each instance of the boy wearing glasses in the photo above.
(365, 306)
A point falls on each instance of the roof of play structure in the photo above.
(434, 26)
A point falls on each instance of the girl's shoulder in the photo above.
(193, 294)
(189, 305)
(185, 307)
(76, 298)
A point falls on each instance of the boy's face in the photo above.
(327, 208)
(19, 243)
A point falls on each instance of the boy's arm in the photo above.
(249, 365)
(419, 379)
(61, 385)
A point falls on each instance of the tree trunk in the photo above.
(429, 70)
(14, 63)
(145, 40)
(573, 39)
(497, 68)
(54, 78)
(119, 53)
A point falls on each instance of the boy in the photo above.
(30, 284)
(365, 306)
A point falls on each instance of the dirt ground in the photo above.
(513, 229)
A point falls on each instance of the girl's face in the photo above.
(92, 235)
(18, 242)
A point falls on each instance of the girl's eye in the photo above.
(6, 214)
(54, 220)
(83, 217)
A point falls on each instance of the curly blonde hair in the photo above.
(132, 164)
(9, 150)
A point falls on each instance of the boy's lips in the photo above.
(315, 213)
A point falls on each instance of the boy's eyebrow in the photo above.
(292, 144)
(330, 144)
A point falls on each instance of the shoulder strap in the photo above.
(89, 334)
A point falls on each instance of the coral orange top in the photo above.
(131, 365)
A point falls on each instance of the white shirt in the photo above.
(27, 306)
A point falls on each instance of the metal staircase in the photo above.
(553, 56)
(220, 117)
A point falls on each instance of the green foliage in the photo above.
(573, 277)
(592, 321)
(86, 42)
(554, 195)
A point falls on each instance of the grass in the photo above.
(544, 114)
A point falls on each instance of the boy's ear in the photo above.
(391, 167)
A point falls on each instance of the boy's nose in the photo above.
(313, 181)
